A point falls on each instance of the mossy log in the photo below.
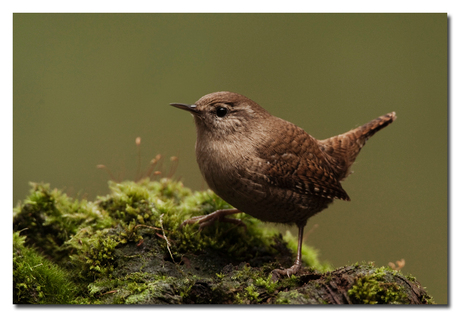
(127, 248)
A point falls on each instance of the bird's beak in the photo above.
(189, 108)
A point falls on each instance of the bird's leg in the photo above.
(218, 215)
(298, 261)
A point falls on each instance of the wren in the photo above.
(267, 167)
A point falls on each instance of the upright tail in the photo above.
(343, 148)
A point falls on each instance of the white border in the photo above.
(449, 7)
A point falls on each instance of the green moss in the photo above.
(375, 288)
(220, 275)
(290, 298)
(93, 254)
(61, 227)
(85, 237)
(410, 277)
(248, 296)
(138, 288)
(290, 281)
(267, 283)
(51, 218)
(128, 248)
(37, 280)
(167, 204)
(426, 299)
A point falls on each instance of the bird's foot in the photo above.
(277, 273)
(218, 215)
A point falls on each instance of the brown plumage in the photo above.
(267, 167)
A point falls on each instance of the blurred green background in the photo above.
(86, 85)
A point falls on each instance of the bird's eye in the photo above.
(221, 112)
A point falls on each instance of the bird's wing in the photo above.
(296, 162)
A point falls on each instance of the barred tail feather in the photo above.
(344, 148)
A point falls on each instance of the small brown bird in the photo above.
(267, 167)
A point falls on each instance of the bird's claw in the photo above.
(218, 215)
(277, 273)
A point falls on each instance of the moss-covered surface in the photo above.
(127, 248)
